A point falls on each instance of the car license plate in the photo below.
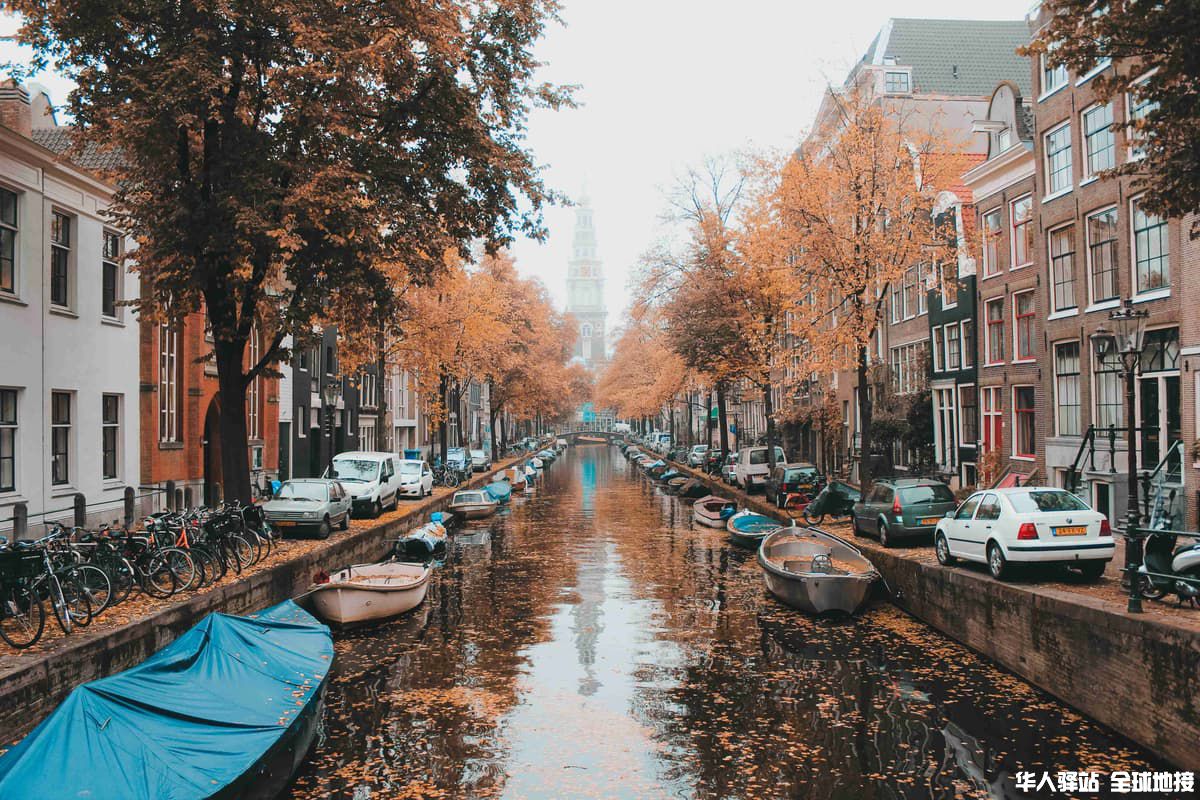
(930, 520)
(1070, 530)
(284, 523)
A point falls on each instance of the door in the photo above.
(1102, 499)
(984, 526)
(1160, 423)
(956, 527)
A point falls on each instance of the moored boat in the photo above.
(815, 572)
(693, 488)
(229, 709)
(515, 477)
(499, 490)
(675, 484)
(713, 511)
(472, 504)
(749, 529)
(368, 592)
(421, 543)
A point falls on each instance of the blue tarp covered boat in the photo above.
(227, 710)
(500, 491)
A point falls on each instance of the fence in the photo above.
(21, 518)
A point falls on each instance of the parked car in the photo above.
(696, 455)
(713, 460)
(372, 479)
(1002, 527)
(416, 478)
(459, 459)
(480, 461)
(313, 505)
(799, 478)
(902, 508)
(753, 466)
(727, 471)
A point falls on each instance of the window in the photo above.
(1110, 398)
(995, 331)
(908, 364)
(110, 274)
(168, 382)
(897, 303)
(8, 241)
(369, 390)
(1024, 425)
(1160, 352)
(939, 343)
(366, 436)
(1099, 144)
(968, 344)
(1102, 254)
(60, 438)
(1151, 250)
(953, 348)
(910, 293)
(1004, 140)
(948, 279)
(110, 436)
(8, 440)
(1053, 77)
(1058, 159)
(253, 390)
(1062, 268)
(1022, 231)
(585, 331)
(1139, 108)
(1066, 388)
(993, 419)
(922, 290)
(968, 402)
(896, 83)
(60, 259)
(1023, 326)
(991, 242)
(329, 359)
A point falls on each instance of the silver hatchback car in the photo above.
(313, 505)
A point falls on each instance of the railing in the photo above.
(21, 519)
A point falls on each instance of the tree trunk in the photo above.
(443, 428)
(863, 394)
(691, 424)
(492, 413)
(674, 440)
(708, 425)
(769, 411)
(381, 377)
(235, 455)
(722, 417)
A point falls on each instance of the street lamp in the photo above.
(331, 392)
(1125, 342)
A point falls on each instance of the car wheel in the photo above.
(1092, 570)
(345, 525)
(997, 563)
(376, 508)
(857, 531)
(942, 548)
(325, 529)
(885, 538)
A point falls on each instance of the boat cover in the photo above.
(500, 491)
(184, 723)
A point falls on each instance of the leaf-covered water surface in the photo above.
(590, 641)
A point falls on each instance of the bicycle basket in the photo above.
(18, 563)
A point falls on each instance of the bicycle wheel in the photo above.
(214, 565)
(123, 576)
(158, 579)
(97, 584)
(183, 565)
(242, 551)
(22, 617)
(69, 602)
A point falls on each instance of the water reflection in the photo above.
(592, 643)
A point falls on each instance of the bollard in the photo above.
(128, 506)
(188, 498)
(170, 488)
(20, 521)
(179, 506)
(80, 510)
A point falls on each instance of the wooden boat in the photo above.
(500, 491)
(713, 511)
(367, 592)
(473, 504)
(815, 572)
(675, 484)
(516, 477)
(229, 709)
(749, 529)
(694, 488)
(420, 544)
(668, 474)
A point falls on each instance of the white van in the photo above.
(752, 467)
(371, 478)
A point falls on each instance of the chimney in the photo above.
(15, 113)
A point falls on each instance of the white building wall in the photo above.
(71, 350)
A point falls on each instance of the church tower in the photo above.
(585, 290)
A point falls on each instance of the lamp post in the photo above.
(1126, 342)
(331, 392)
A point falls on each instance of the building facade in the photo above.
(69, 385)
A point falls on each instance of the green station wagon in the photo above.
(902, 508)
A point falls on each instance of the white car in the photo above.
(370, 478)
(752, 467)
(416, 478)
(1001, 527)
(696, 455)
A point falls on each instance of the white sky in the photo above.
(665, 83)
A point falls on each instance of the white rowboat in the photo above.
(366, 592)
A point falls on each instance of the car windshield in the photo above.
(760, 456)
(802, 474)
(355, 469)
(1050, 500)
(699, 448)
(456, 454)
(476, 454)
(410, 468)
(933, 493)
(303, 491)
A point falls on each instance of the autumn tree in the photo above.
(644, 373)
(294, 160)
(855, 206)
(1154, 57)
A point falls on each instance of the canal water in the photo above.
(590, 641)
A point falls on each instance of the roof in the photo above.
(901, 483)
(954, 57)
(59, 141)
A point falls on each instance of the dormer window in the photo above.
(1004, 139)
(896, 82)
